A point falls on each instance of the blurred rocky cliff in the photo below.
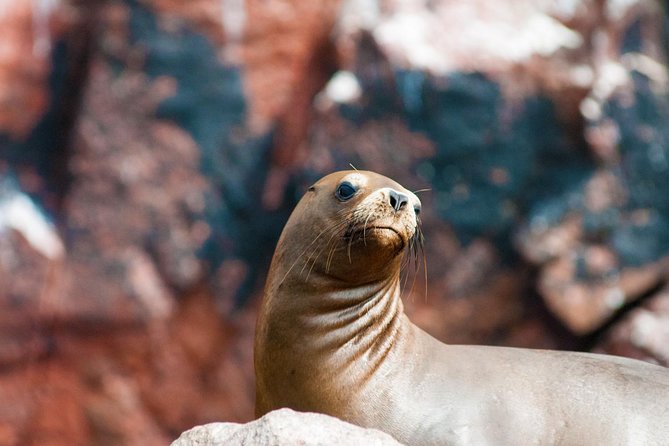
(151, 150)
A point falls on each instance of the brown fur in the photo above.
(332, 337)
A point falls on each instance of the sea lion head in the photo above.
(353, 226)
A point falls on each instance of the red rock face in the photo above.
(158, 200)
(146, 172)
(26, 37)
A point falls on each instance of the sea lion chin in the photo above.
(332, 337)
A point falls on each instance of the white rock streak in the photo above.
(616, 9)
(233, 19)
(439, 35)
(20, 213)
(42, 11)
(343, 87)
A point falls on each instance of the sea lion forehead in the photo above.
(356, 177)
(363, 179)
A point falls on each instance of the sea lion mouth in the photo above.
(387, 228)
(363, 234)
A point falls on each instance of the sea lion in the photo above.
(332, 337)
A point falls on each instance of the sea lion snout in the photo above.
(398, 200)
(388, 207)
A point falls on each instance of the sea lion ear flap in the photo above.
(312, 188)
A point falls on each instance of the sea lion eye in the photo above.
(345, 191)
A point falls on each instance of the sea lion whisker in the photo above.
(328, 261)
(421, 241)
(405, 280)
(364, 229)
(413, 284)
(335, 230)
(332, 241)
(313, 263)
(415, 242)
(412, 249)
(415, 272)
(331, 247)
(403, 265)
(405, 270)
(409, 252)
(314, 247)
(418, 244)
(290, 269)
(313, 257)
(304, 251)
(309, 257)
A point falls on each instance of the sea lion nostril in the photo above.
(416, 208)
(398, 200)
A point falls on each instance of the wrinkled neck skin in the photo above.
(345, 323)
(322, 334)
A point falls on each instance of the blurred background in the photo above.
(151, 151)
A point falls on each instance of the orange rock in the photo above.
(26, 36)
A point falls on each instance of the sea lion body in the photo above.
(332, 337)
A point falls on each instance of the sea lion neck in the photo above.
(332, 296)
(314, 351)
(307, 298)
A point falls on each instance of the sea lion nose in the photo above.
(398, 200)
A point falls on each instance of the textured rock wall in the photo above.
(151, 150)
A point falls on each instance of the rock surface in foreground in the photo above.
(284, 427)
